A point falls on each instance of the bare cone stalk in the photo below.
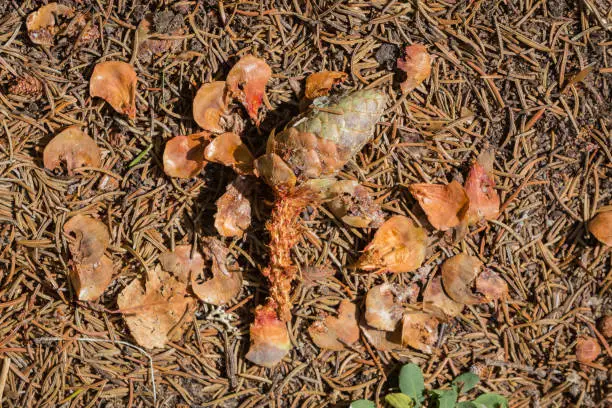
(269, 336)
(285, 232)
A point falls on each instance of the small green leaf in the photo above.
(140, 156)
(444, 398)
(466, 404)
(399, 400)
(362, 404)
(412, 383)
(465, 382)
(491, 400)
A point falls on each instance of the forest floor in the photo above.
(503, 77)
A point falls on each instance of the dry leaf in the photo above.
(353, 204)
(438, 303)
(458, 275)
(416, 63)
(480, 190)
(233, 215)
(420, 331)
(228, 149)
(182, 262)
(491, 285)
(88, 238)
(381, 340)
(247, 81)
(91, 271)
(226, 280)
(320, 83)
(73, 147)
(184, 156)
(188, 267)
(398, 246)
(209, 106)
(91, 280)
(274, 171)
(383, 308)
(587, 349)
(444, 204)
(269, 337)
(156, 312)
(115, 82)
(334, 332)
(41, 24)
(601, 227)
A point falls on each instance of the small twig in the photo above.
(91, 340)
(230, 363)
(4, 376)
(330, 110)
(397, 103)
(541, 373)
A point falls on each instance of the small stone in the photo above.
(386, 55)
